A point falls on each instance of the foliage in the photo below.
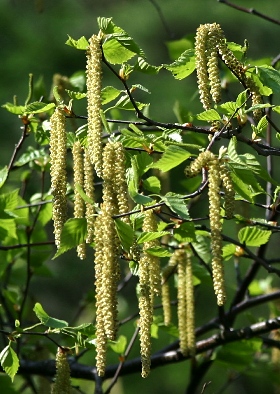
(239, 134)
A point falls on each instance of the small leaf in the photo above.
(9, 361)
(125, 233)
(228, 251)
(152, 184)
(145, 67)
(270, 77)
(172, 157)
(158, 251)
(75, 95)
(46, 320)
(3, 175)
(183, 66)
(109, 93)
(14, 109)
(150, 236)
(116, 53)
(73, 234)
(38, 107)
(209, 115)
(177, 205)
(119, 346)
(253, 236)
(81, 43)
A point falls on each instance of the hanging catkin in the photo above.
(79, 205)
(94, 76)
(150, 286)
(58, 155)
(89, 190)
(62, 384)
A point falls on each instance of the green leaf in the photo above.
(81, 43)
(177, 47)
(78, 80)
(9, 361)
(38, 107)
(8, 202)
(146, 68)
(109, 93)
(150, 236)
(46, 320)
(183, 66)
(116, 53)
(158, 251)
(125, 233)
(269, 77)
(172, 157)
(177, 205)
(30, 155)
(14, 109)
(185, 232)
(73, 234)
(119, 346)
(152, 184)
(83, 194)
(253, 236)
(3, 175)
(228, 251)
(75, 95)
(209, 115)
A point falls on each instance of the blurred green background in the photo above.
(32, 37)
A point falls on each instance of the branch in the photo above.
(250, 11)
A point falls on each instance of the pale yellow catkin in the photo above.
(165, 294)
(181, 296)
(58, 154)
(190, 307)
(89, 191)
(93, 81)
(79, 205)
(62, 384)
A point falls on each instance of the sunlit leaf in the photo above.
(3, 175)
(109, 93)
(146, 68)
(46, 320)
(14, 109)
(253, 236)
(9, 361)
(177, 205)
(119, 345)
(158, 251)
(209, 115)
(172, 157)
(150, 236)
(183, 66)
(38, 107)
(152, 184)
(270, 77)
(125, 233)
(73, 234)
(75, 95)
(81, 43)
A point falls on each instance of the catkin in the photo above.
(182, 307)
(165, 295)
(190, 311)
(228, 189)
(62, 384)
(89, 190)
(209, 160)
(150, 285)
(58, 155)
(93, 81)
(79, 205)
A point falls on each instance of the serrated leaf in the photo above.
(177, 47)
(172, 157)
(270, 77)
(30, 155)
(177, 205)
(73, 234)
(152, 184)
(14, 109)
(146, 68)
(209, 115)
(9, 361)
(183, 66)
(119, 345)
(75, 95)
(253, 236)
(150, 236)
(228, 251)
(115, 52)
(158, 251)
(185, 232)
(109, 93)
(242, 98)
(38, 107)
(81, 43)
(3, 175)
(241, 188)
(46, 320)
(125, 233)
(228, 108)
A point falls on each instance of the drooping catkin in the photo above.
(58, 155)
(89, 190)
(228, 189)
(79, 205)
(165, 294)
(190, 308)
(94, 76)
(210, 42)
(62, 384)
(150, 285)
(182, 306)
(209, 160)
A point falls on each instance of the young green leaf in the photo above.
(46, 320)
(270, 77)
(73, 234)
(158, 251)
(125, 233)
(183, 66)
(38, 107)
(177, 205)
(172, 157)
(146, 68)
(3, 175)
(14, 109)
(75, 95)
(119, 345)
(152, 184)
(209, 115)
(253, 236)
(81, 43)
(109, 93)
(9, 361)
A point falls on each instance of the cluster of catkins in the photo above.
(210, 43)
(218, 176)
